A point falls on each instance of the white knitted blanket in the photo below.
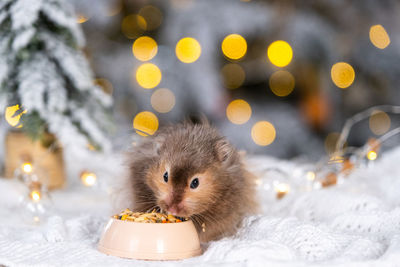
(353, 224)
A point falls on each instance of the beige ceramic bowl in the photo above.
(150, 241)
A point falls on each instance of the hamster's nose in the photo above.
(173, 210)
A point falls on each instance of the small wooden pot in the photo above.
(48, 162)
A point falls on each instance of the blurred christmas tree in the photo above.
(45, 77)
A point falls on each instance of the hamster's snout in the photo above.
(172, 207)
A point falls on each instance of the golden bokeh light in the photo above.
(105, 85)
(148, 75)
(310, 176)
(233, 75)
(188, 50)
(145, 123)
(234, 46)
(280, 53)
(81, 18)
(11, 118)
(379, 37)
(281, 83)
(144, 48)
(88, 178)
(372, 155)
(238, 111)
(27, 167)
(152, 16)
(35, 195)
(281, 189)
(263, 133)
(330, 142)
(379, 122)
(163, 100)
(342, 74)
(133, 26)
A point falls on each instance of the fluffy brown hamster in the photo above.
(190, 170)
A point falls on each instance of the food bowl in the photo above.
(150, 241)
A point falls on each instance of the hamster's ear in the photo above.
(224, 150)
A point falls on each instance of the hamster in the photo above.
(190, 170)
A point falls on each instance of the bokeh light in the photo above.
(105, 85)
(238, 111)
(152, 16)
(188, 50)
(234, 46)
(88, 178)
(372, 155)
(145, 123)
(281, 83)
(144, 48)
(233, 75)
(280, 53)
(330, 142)
(342, 74)
(13, 119)
(379, 37)
(27, 167)
(163, 100)
(263, 133)
(379, 122)
(133, 26)
(35, 195)
(148, 75)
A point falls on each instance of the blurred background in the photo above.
(276, 77)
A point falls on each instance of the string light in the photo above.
(238, 111)
(27, 167)
(81, 18)
(372, 155)
(379, 37)
(133, 26)
(148, 75)
(188, 50)
(144, 48)
(163, 100)
(280, 53)
(281, 83)
(281, 189)
(263, 133)
(342, 74)
(310, 176)
(35, 195)
(145, 123)
(330, 142)
(379, 122)
(234, 46)
(88, 178)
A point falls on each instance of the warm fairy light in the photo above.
(27, 167)
(280, 53)
(152, 16)
(188, 50)
(36, 219)
(144, 48)
(145, 123)
(238, 111)
(13, 119)
(379, 37)
(81, 18)
(234, 46)
(133, 26)
(148, 75)
(342, 74)
(310, 176)
(281, 83)
(379, 122)
(163, 100)
(263, 133)
(88, 178)
(372, 155)
(330, 142)
(281, 189)
(35, 195)
(233, 75)
(105, 85)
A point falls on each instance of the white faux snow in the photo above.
(356, 223)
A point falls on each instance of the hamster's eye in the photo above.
(166, 177)
(195, 183)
